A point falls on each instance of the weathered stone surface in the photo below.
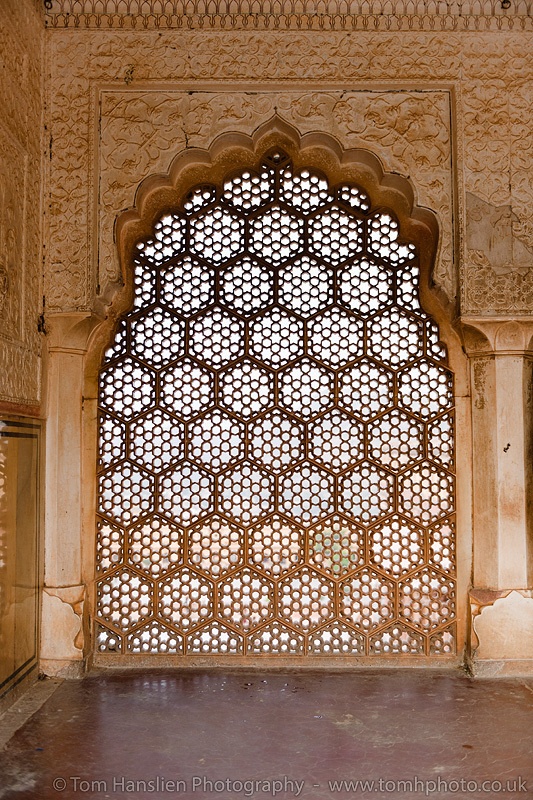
(21, 39)
(505, 629)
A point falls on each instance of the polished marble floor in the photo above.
(232, 735)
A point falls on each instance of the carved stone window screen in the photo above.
(276, 434)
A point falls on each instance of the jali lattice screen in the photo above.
(276, 446)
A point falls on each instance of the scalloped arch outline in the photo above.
(232, 151)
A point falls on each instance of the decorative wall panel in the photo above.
(21, 37)
(276, 434)
(124, 103)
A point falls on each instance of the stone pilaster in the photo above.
(64, 591)
(502, 417)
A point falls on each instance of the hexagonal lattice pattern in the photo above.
(336, 639)
(366, 389)
(304, 191)
(395, 338)
(246, 388)
(337, 546)
(442, 643)
(124, 598)
(156, 440)
(145, 289)
(276, 338)
(216, 338)
(185, 599)
(127, 388)
(305, 286)
(216, 546)
(109, 545)
(335, 235)
(276, 441)
(188, 286)
(407, 288)
(186, 493)
(396, 546)
(155, 546)
(215, 638)
(425, 493)
(336, 440)
(335, 337)
(354, 197)
(275, 546)
(217, 235)
(442, 546)
(187, 389)
(307, 493)
(216, 440)
(383, 233)
(112, 438)
(427, 599)
(276, 235)
(246, 493)
(154, 637)
(365, 287)
(157, 337)
(366, 493)
(275, 639)
(168, 240)
(306, 599)
(249, 190)
(106, 641)
(434, 347)
(367, 599)
(425, 389)
(276, 434)
(246, 599)
(306, 388)
(246, 287)
(126, 493)
(120, 344)
(394, 640)
(198, 198)
(441, 441)
(396, 440)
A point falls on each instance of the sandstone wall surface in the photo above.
(21, 130)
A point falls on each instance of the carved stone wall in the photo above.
(21, 51)
(440, 93)
(449, 110)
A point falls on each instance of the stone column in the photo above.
(64, 592)
(501, 598)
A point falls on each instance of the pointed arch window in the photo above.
(276, 446)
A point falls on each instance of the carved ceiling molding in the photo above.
(386, 15)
